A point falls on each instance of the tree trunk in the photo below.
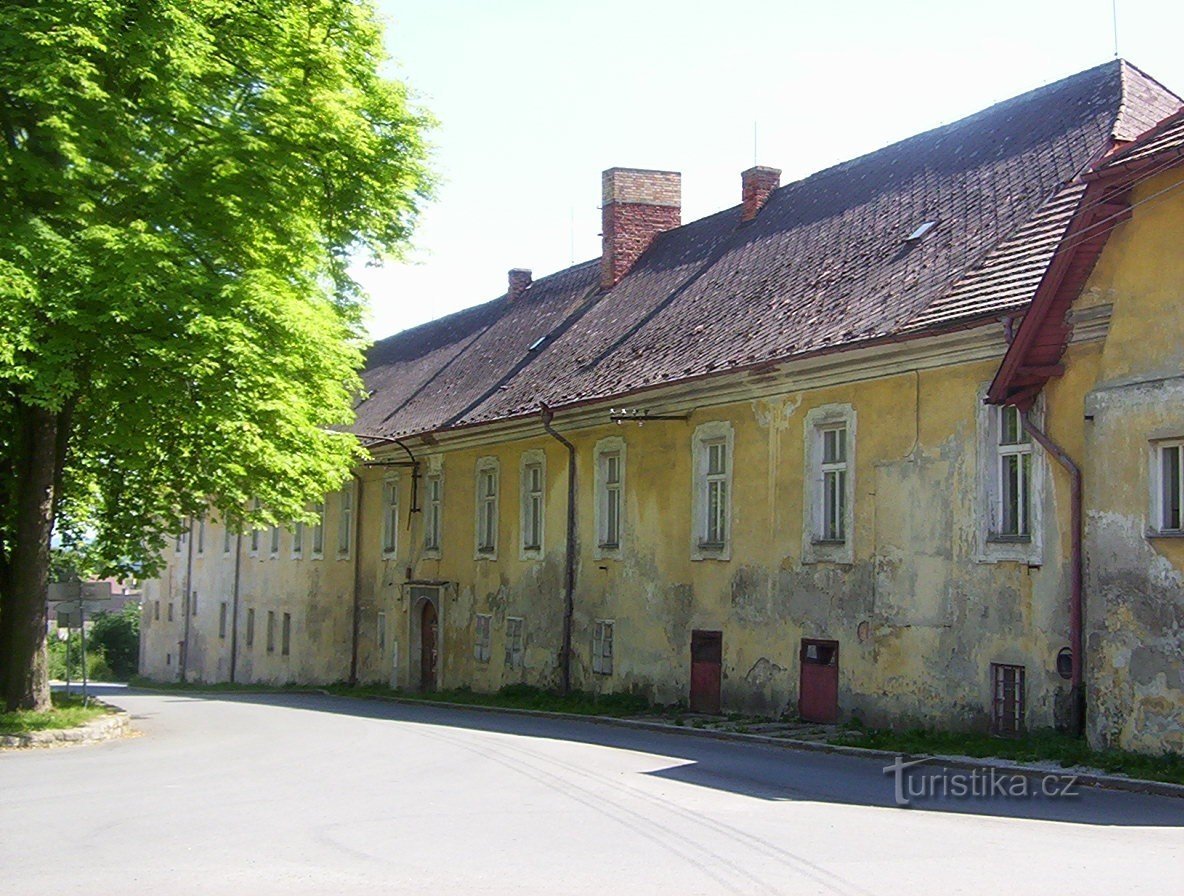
(23, 615)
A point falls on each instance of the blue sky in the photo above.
(535, 98)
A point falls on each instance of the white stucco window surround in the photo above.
(532, 504)
(711, 499)
(390, 517)
(828, 506)
(487, 488)
(608, 456)
(431, 503)
(345, 521)
(1011, 469)
(1166, 468)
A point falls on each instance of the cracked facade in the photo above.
(847, 511)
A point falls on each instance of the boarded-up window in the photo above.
(602, 647)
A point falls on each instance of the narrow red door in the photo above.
(707, 652)
(427, 647)
(818, 699)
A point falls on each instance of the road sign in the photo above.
(60, 591)
(96, 590)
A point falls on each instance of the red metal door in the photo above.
(427, 647)
(818, 699)
(707, 652)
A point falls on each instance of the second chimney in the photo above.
(637, 205)
(757, 184)
(519, 280)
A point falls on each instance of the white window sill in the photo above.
(1164, 533)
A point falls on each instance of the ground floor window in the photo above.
(286, 635)
(514, 643)
(482, 638)
(1007, 699)
(602, 647)
(250, 628)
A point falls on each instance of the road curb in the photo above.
(1087, 779)
(1082, 778)
(115, 724)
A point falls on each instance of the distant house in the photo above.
(823, 446)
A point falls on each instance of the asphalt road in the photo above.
(306, 794)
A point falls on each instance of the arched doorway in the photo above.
(428, 651)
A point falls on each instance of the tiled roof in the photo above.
(1165, 138)
(824, 266)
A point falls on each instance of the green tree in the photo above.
(185, 183)
(117, 635)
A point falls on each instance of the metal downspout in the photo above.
(569, 583)
(185, 604)
(357, 624)
(238, 561)
(1076, 614)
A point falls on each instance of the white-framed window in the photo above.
(345, 520)
(602, 647)
(482, 637)
(255, 537)
(609, 458)
(1167, 487)
(274, 547)
(318, 531)
(1011, 471)
(487, 507)
(297, 540)
(433, 507)
(829, 494)
(380, 632)
(515, 642)
(532, 476)
(712, 499)
(390, 517)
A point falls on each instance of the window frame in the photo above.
(286, 635)
(604, 450)
(816, 546)
(390, 517)
(271, 631)
(255, 540)
(603, 661)
(515, 643)
(346, 499)
(483, 637)
(433, 511)
(994, 547)
(485, 539)
(297, 540)
(273, 547)
(317, 547)
(1157, 479)
(250, 636)
(535, 459)
(707, 435)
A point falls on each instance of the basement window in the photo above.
(482, 638)
(1168, 487)
(602, 647)
(1007, 699)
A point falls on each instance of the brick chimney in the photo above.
(757, 184)
(519, 280)
(637, 205)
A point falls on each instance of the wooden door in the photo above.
(428, 652)
(707, 653)
(818, 696)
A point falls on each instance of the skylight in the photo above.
(920, 232)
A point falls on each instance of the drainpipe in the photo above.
(1076, 639)
(238, 560)
(569, 582)
(185, 604)
(353, 659)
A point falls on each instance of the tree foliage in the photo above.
(185, 183)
